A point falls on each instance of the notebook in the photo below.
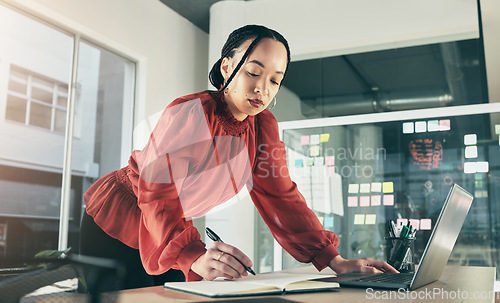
(436, 253)
(261, 284)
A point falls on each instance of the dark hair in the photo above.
(235, 40)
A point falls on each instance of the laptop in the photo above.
(436, 253)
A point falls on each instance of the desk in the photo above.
(469, 280)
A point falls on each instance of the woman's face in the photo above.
(257, 81)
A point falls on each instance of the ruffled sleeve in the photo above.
(283, 208)
(167, 238)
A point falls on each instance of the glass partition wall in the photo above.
(383, 135)
(357, 172)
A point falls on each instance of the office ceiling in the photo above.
(196, 11)
(404, 78)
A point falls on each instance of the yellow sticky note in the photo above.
(321, 220)
(324, 138)
(359, 219)
(388, 187)
(371, 219)
(314, 151)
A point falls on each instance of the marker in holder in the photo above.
(399, 253)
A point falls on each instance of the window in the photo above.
(35, 100)
(356, 175)
(36, 61)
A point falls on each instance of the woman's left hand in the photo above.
(365, 265)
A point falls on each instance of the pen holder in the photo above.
(399, 253)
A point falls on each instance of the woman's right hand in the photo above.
(221, 260)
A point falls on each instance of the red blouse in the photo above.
(197, 157)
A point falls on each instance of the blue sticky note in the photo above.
(328, 222)
(299, 163)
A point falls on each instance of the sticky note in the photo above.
(319, 161)
(376, 200)
(299, 163)
(470, 167)
(330, 160)
(388, 200)
(314, 151)
(314, 139)
(353, 188)
(482, 167)
(330, 170)
(433, 125)
(388, 187)
(359, 219)
(479, 183)
(444, 125)
(324, 138)
(371, 219)
(408, 128)
(352, 201)
(478, 194)
(471, 152)
(425, 224)
(364, 188)
(401, 222)
(420, 127)
(497, 129)
(485, 194)
(364, 201)
(415, 224)
(478, 177)
(376, 187)
(309, 161)
(328, 222)
(321, 220)
(470, 139)
(304, 140)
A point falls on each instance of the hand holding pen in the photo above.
(222, 260)
(212, 235)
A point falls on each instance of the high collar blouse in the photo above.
(197, 157)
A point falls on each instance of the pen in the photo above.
(395, 229)
(404, 232)
(212, 235)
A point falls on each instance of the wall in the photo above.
(323, 28)
(171, 51)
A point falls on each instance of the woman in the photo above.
(204, 149)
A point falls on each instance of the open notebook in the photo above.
(261, 284)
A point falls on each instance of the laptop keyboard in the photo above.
(404, 278)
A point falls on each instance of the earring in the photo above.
(274, 103)
(224, 85)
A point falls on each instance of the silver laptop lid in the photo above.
(443, 237)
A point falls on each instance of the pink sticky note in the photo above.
(304, 140)
(352, 201)
(389, 200)
(364, 201)
(444, 125)
(330, 160)
(401, 222)
(376, 200)
(415, 224)
(425, 224)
